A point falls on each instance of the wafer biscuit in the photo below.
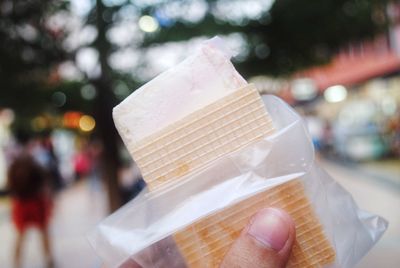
(225, 126)
(205, 242)
(211, 132)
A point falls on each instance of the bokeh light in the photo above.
(88, 92)
(87, 123)
(59, 98)
(336, 93)
(71, 119)
(148, 24)
(304, 89)
(39, 123)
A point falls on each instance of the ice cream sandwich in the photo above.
(191, 115)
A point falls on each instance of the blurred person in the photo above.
(44, 154)
(93, 153)
(130, 180)
(4, 139)
(82, 161)
(52, 164)
(315, 127)
(394, 129)
(31, 201)
(327, 138)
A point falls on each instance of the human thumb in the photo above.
(266, 242)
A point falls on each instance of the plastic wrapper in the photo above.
(145, 231)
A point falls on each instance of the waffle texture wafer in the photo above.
(220, 128)
(205, 242)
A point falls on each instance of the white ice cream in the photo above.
(199, 80)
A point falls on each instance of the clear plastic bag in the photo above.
(142, 231)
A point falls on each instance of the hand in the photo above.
(266, 242)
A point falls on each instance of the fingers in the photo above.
(266, 242)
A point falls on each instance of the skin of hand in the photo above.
(266, 242)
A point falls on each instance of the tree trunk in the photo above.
(109, 137)
(104, 103)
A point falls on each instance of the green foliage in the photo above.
(293, 34)
(28, 52)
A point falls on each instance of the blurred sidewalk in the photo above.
(373, 189)
(77, 210)
(80, 207)
(387, 170)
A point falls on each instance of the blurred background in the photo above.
(65, 64)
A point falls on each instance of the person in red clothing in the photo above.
(30, 202)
